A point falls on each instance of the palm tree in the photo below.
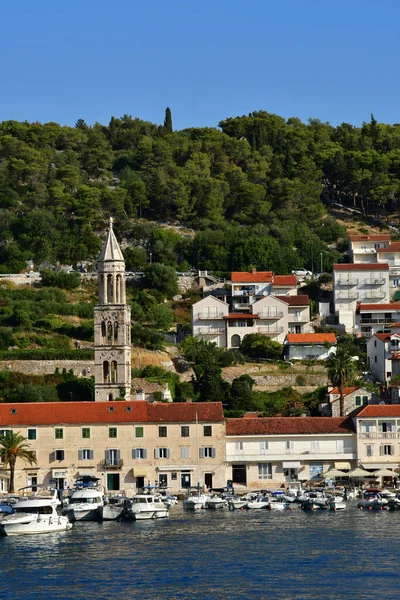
(341, 371)
(13, 446)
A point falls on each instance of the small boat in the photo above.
(372, 500)
(86, 501)
(279, 504)
(35, 514)
(216, 502)
(259, 502)
(146, 506)
(195, 498)
(237, 502)
(337, 503)
(314, 501)
(113, 507)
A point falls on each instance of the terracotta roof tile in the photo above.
(284, 280)
(380, 410)
(311, 338)
(393, 325)
(346, 391)
(244, 277)
(377, 307)
(289, 425)
(384, 237)
(361, 267)
(384, 337)
(45, 413)
(393, 247)
(301, 300)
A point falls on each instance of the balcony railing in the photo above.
(206, 315)
(364, 250)
(383, 435)
(271, 316)
(109, 465)
(298, 319)
(208, 331)
(374, 281)
(377, 321)
(373, 295)
(270, 331)
(348, 282)
(347, 296)
(242, 305)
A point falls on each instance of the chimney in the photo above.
(253, 270)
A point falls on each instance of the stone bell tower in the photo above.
(112, 325)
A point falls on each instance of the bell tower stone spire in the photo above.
(112, 325)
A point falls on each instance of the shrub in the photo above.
(47, 354)
(60, 279)
(301, 380)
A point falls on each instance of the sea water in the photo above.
(211, 554)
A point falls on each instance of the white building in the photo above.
(363, 248)
(378, 437)
(248, 288)
(318, 346)
(355, 283)
(383, 355)
(372, 318)
(270, 315)
(391, 255)
(270, 452)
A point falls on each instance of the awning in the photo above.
(342, 465)
(4, 476)
(177, 468)
(139, 471)
(294, 464)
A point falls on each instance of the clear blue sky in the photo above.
(206, 59)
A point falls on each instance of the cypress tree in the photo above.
(168, 121)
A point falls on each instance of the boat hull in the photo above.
(34, 526)
(94, 514)
(150, 514)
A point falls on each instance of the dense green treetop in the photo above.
(251, 190)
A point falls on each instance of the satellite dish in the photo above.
(381, 402)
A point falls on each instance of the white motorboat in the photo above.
(279, 504)
(237, 502)
(371, 499)
(216, 502)
(337, 503)
(86, 502)
(258, 502)
(314, 500)
(195, 499)
(147, 506)
(35, 514)
(113, 507)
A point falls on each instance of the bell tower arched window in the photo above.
(106, 372)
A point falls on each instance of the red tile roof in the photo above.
(346, 391)
(393, 247)
(243, 277)
(384, 337)
(361, 267)
(289, 425)
(44, 413)
(240, 316)
(393, 325)
(301, 300)
(284, 280)
(380, 410)
(373, 238)
(377, 307)
(311, 338)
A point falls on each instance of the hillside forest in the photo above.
(252, 192)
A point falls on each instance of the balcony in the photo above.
(298, 319)
(347, 296)
(208, 331)
(207, 315)
(110, 465)
(374, 281)
(273, 332)
(379, 435)
(241, 306)
(271, 316)
(364, 250)
(348, 282)
(377, 321)
(371, 295)
(303, 457)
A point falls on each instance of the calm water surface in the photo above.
(320, 555)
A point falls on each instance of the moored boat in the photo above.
(146, 506)
(86, 501)
(216, 501)
(337, 503)
(35, 514)
(195, 498)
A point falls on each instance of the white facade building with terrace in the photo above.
(363, 248)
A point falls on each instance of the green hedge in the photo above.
(47, 354)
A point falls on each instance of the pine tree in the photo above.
(168, 121)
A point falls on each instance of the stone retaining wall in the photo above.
(80, 368)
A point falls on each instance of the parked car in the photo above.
(301, 273)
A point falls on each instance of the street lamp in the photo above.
(152, 256)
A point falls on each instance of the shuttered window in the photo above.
(162, 453)
(85, 454)
(139, 453)
(207, 452)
